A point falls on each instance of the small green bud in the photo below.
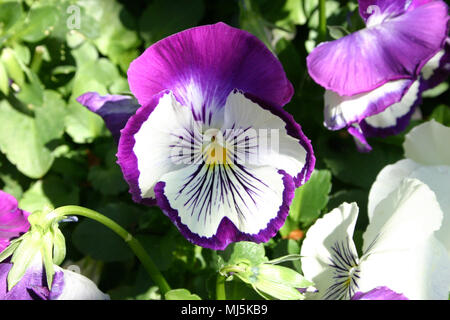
(12, 65)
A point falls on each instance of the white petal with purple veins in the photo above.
(166, 124)
(330, 242)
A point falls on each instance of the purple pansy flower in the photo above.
(13, 221)
(67, 285)
(211, 144)
(374, 77)
(379, 293)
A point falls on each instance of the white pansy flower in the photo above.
(400, 250)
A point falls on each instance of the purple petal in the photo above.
(33, 285)
(396, 48)
(360, 140)
(379, 293)
(211, 60)
(387, 8)
(13, 221)
(114, 109)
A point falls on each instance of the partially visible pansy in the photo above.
(400, 250)
(33, 284)
(211, 144)
(428, 160)
(67, 285)
(379, 293)
(114, 109)
(374, 77)
(13, 221)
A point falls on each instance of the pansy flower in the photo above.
(67, 285)
(400, 250)
(211, 144)
(374, 77)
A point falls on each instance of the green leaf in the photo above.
(115, 39)
(26, 140)
(441, 114)
(92, 74)
(282, 275)
(4, 80)
(353, 167)
(337, 32)
(10, 14)
(181, 294)
(311, 198)
(162, 18)
(436, 91)
(249, 252)
(40, 23)
(108, 179)
(95, 240)
(251, 20)
(51, 191)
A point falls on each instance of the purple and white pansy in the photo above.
(211, 144)
(374, 77)
(67, 285)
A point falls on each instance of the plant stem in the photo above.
(220, 288)
(322, 21)
(132, 242)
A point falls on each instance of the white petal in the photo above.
(405, 217)
(428, 144)
(432, 65)
(166, 124)
(421, 272)
(316, 251)
(397, 252)
(78, 287)
(250, 197)
(388, 180)
(274, 147)
(437, 178)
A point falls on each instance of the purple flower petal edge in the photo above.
(379, 293)
(213, 59)
(114, 109)
(33, 285)
(13, 221)
(227, 232)
(126, 158)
